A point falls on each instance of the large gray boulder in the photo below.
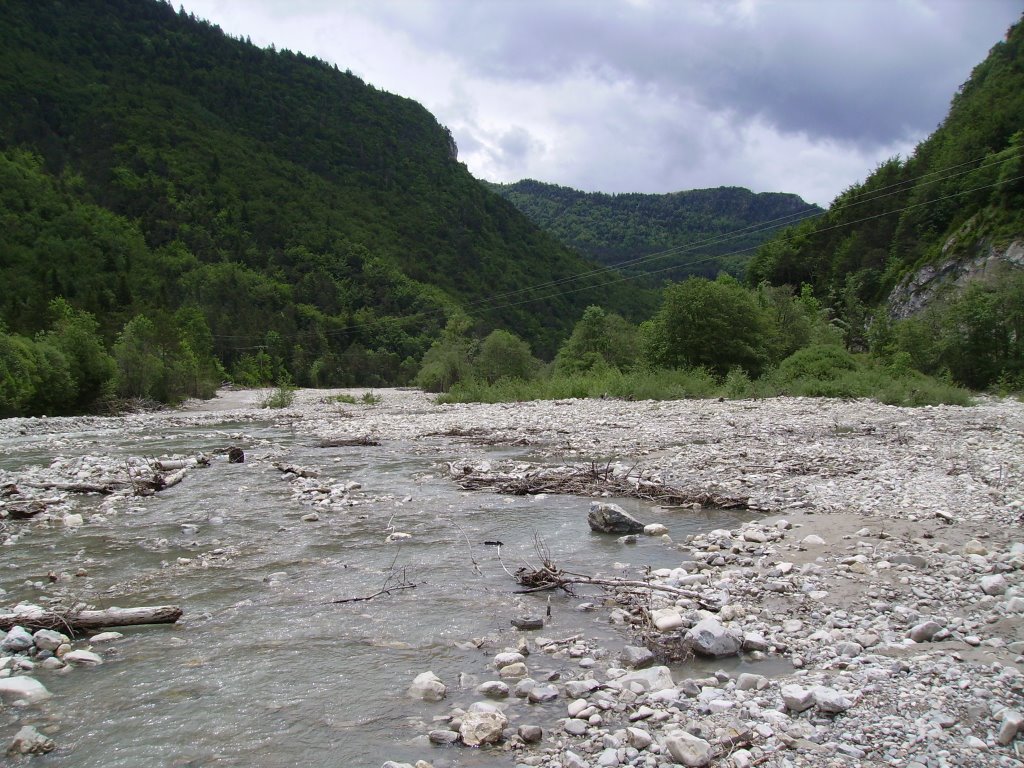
(709, 638)
(482, 728)
(611, 518)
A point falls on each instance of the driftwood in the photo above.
(37, 618)
(347, 442)
(589, 480)
(107, 488)
(298, 471)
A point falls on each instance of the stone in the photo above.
(636, 657)
(105, 637)
(655, 529)
(748, 682)
(73, 520)
(442, 736)
(48, 639)
(575, 727)
(514, 670)
(639, 738)
(579, 688)
(531, 734)
(754, 641)
(709, 638)
(494, 689)
(812, 541)
(830, 701)
(24, 688)
(1010, 726)
(86, 658)
(755, 536)
(993, 585)
(652, 679)
(29, 741)
(509, 657)
(611, 518)
(526, 623)
(687, 749)
(571, 760)
(428, 686)
(796, 698)
(482, 728)
(924, 632)
(666, 619)
(541, 693)
(975, 547)
(18, 639)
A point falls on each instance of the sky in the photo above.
(803, 96)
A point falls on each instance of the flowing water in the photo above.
(265, 670)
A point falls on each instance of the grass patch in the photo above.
(281, 397)
(367, 398)
(817, 371)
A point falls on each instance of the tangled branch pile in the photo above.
(586, 480)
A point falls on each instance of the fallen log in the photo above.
(297, 471)
(105, 489)
(37, 618)
(348, 442)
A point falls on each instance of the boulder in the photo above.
(655, 529)
(541, 693)
(666, 619)
(709, 638)
(29, 741)
(652, 679)
(611, 518)
(925, 631)
(531, 734)
(796, 698)
(509, 657)
(993, 585)
(25, 688)
(86, 658)
(493, 688)
(636, 657)
(428, 686)
(482, 728)
(688, 749)
(443, 736)
(18, 639)
(830, 701)
(49, 640)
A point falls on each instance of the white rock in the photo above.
(541, 693)
(687, 749)
(1011, 725)
(49, 640)
(812, 541)
(975, 547)
(509, 657)
(666, 619)
(796, 698)
(482, 728)
(73, 520)
(652, 679)
(428, 686)
(493, 688)
(709, 638)
(993, 585)
(514, 670)
(106, 637)
(830, 701)
(86, 658)
(25, 688)
(655, 529)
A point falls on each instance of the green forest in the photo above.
(258, 210)
(180, 208)
(668, 237)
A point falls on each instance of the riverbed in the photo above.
(265, 668)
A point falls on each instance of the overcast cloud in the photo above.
(803, 96)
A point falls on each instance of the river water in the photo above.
(264, 669)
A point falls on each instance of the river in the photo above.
(264, 669)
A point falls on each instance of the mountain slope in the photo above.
(960, 192)
(696, 226)
(270, 190)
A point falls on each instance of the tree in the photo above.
(505, 355)
(715, 324)
(599, 339)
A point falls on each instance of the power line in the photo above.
(484, 303)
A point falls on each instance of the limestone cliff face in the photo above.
(958, 267)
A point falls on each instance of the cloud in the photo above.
(654, 95)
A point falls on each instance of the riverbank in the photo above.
(885, 568)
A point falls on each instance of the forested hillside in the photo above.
(696, 232)
(958, 198)
(966, 179)
(308, 223)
